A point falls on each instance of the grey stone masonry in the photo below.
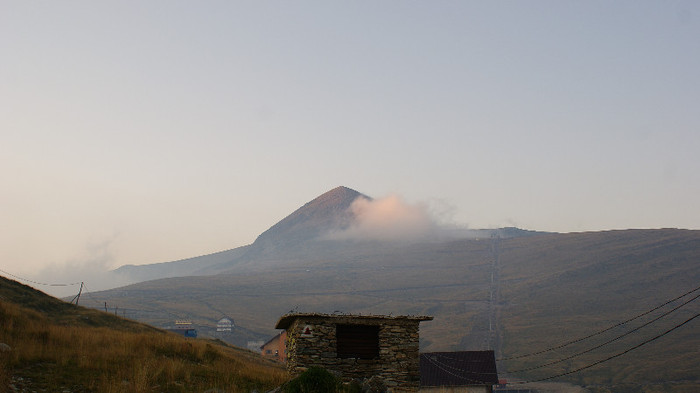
(312, 341)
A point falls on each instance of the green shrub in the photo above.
(313, 380)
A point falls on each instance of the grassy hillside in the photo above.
(57, 346)
(562, 287)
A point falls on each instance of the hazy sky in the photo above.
(147, 131)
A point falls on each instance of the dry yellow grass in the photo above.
(81, 357)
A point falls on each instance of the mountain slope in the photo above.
(186, 267)
(291, 238)
(323, 214)
(534, 292)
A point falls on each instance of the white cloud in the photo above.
(389, 219)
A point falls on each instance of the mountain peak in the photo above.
(329, 211)
(338, 197)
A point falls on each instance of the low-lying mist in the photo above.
(92, 268)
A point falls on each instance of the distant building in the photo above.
(356, 346)
(254, 345)
(184, 327)
(183, 323)
(276, 347)
(224, 325)
(458, 372)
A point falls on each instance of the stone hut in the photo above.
(356, 346)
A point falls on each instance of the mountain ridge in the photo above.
(290, 239)
(326, 212)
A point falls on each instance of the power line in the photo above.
(645, 342)
(609, 341)
(135, 310)
(89, 294)
(590, 349)
(616, 355)
(599, 332)
(451, 359)
(38, 283)
(444, 367)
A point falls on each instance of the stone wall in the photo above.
(311, 341)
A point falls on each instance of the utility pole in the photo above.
(77, 297)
